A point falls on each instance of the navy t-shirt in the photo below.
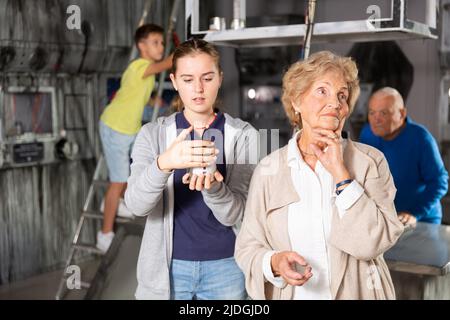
(197, 234)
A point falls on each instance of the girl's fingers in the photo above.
(193, 182)
(200, 144)
(203, 151)
(184, 133)
(218, 176)
(206, 159)
(191, 164)
(186, 178)
(208, 179)
(199, 184)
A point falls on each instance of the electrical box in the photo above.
(29, 125)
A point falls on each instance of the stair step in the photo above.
(89, 248)
(92, 214)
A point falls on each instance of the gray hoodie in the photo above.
(150, 193)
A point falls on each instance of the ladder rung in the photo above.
(101, 183)
(99, 215)
(83, 284)
(89, 248)
(93, 214)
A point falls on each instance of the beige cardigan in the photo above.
(357, 240)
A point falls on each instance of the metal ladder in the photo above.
(99, 179)
(99, 182)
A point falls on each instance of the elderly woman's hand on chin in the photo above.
(331, 156)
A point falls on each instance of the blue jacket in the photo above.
(417, 168)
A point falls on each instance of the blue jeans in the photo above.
(207, 280)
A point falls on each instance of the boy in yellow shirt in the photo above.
(122, 118)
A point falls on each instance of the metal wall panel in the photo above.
(37, 218)
(34, 35)
(40, 204)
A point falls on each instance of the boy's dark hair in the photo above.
(143, 31)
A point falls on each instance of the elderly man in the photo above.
(413, 157)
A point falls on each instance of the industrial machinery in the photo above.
(44, 123)
(56, 57)
(29, 125)
(52, 75)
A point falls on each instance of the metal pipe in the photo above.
(162, 75)
(309, 28)
(431, 12)
(239, 9)
(147, 7)
(239, 17)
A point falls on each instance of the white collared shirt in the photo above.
(309, 222)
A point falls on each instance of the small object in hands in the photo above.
(204, 170)
(300, 269)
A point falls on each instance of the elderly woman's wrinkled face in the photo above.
(325, 104)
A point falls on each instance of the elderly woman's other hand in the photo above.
(284, 264)
(407, 218)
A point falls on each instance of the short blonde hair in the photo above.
(300, 76)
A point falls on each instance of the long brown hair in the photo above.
(191, 47)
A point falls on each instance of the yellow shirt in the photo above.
(124, 113)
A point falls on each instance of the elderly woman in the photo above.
(320, 212)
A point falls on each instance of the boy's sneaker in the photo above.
(104, 240)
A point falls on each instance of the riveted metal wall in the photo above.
(41, 204)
